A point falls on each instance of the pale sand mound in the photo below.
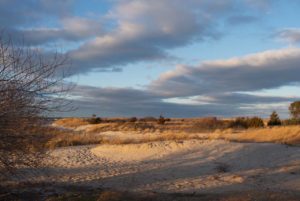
(144, 151)
(209, 166)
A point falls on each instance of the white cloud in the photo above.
(130, 31)
(133, 102)
(144, 30)
(265, 70)
(290, 35)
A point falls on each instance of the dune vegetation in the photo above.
(285, 135)
(81, 132)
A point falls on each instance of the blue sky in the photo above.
(142, 58)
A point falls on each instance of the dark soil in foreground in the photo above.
(46, 192)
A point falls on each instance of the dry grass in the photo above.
(190, 125)
(284, 135)
(68, 139)
(71, 122)
(176, 129)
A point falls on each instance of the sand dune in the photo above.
(183, 166)
(144, 151)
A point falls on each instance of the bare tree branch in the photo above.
(31, 86)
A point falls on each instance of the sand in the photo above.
(191, 166)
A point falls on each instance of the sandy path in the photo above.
(185, 166)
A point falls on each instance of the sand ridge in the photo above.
(144, 151)
(178, 166)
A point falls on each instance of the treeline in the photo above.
(97, 120)
(211, 123)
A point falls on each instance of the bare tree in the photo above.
(31, 86)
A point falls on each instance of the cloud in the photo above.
(261, 4)
(129, 31)
(134, 102)
(265, 70)
(28, 13)
(212, 88)
(73, 29)
(124, 95)
(146, 29)
(247, 99)
(290, 35)
(32, 20)
(241, 19)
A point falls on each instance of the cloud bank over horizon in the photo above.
(212, 88)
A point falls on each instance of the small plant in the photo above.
(94, 120)
(161, 120)
(168, 119)
(148, 119)
(132, 119)
(222, 168)
(274, 119)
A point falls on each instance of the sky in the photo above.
(174, 58)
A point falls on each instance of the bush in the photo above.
(239, 122)
(210, 123)
(274, 119)
(148, 119)
(120, 121)
(255, 122)
(95, 120)
(290, 122)
(161, 120)
(242, 122)
(132, 119)
(295, 110)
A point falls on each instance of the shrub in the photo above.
(295, 110)
(94, 120)
(210, 123)
(222, 168)
(120, 121)
(239, 122)
(161, 120)
(290, 122)
(242, 122)
(255, 122)
(148, 119)
(132, 119)
(274, 119)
